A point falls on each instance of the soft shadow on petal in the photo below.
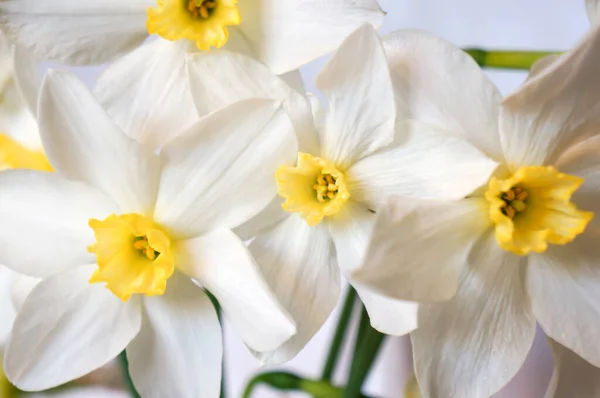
(573, 376)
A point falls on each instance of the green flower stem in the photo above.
(367, 347)
(285, 381)
(127, 376)
(507, 59)
(339, 336)
(219, 311)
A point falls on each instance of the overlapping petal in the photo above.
(44, 228)
(87, 327)
(220, 172)
(83, 143)
(76, 31)
(573, 376)
(179, 349)
(221, 262)
(472, 345)
(297, 262)
(361, 100)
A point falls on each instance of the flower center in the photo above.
(15, 156)
(202, 21)
(314, 188)
(133, 255)
(533, 208)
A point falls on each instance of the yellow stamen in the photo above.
(15, 156)
(202, 21)
(313, 201)
(133, 255)
(533, 208)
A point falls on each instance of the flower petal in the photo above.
(350, 230)
(556, 108)
(220, 173)
(44, 228)
(147, 92)
(438, 84)
(361, 100)
(7, 309)
(593, 10)
(573, 376)
(472, 345)
(297, 262)
(219, 79)
(26, 77)
(179, 350)
(79, 32)
(428, 164)
(87, 327)
(221, 262)
(289, 34)
(269, 216)
(419, 247)
(564, 285)
(83, 143)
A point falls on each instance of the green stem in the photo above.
(284, 381)
(339, 336)
(367, 347)
(219, 311)
(127, 376)
(507, 59)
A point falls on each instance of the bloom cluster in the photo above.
(192, 183)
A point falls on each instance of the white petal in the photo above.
(472, 345)
(297, 262)
(289, 34)
(361, 99)
(21, 287)
(351, 230)
(573, 376)
(221, 263)
(220, 172)
(86, 327)
(219, 79)
(438, 84)
(268, 217)
(83, 143)
(179, 350)
(555, 108)
(564, 285)
(593, 10)
(76, 31)
(44, 228)
(26, 77)
(427, 163)
(419, 247)
(541, 64)
(147, 92)
(7, 309)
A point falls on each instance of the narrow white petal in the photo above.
(7, 309)
(419, 247)
(221, 262)
(361, 99)
(426, 163)
(83, 143)
(573, 376)
(219, 79)
(351, 230)
(220, 172)
(289, 34)
(556, 108)
(593, 10)
(44, 228)
(76, 31)
(298, 264)
(472, 345)
(26, 77)
(564, 285)
(147, 92)
(438, 84)
(179, 350)
(86, 327)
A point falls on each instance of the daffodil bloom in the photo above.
(282, 34)
(522, 246)
(119, 234)
(351, 156)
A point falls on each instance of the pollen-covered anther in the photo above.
(326, 187)
(143, 246)
(201, 8)
(514, 201)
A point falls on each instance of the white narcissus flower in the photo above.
(117, 232)
(282, 34)
(518, 248)
(352, 155)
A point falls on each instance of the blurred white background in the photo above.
(508, 24)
